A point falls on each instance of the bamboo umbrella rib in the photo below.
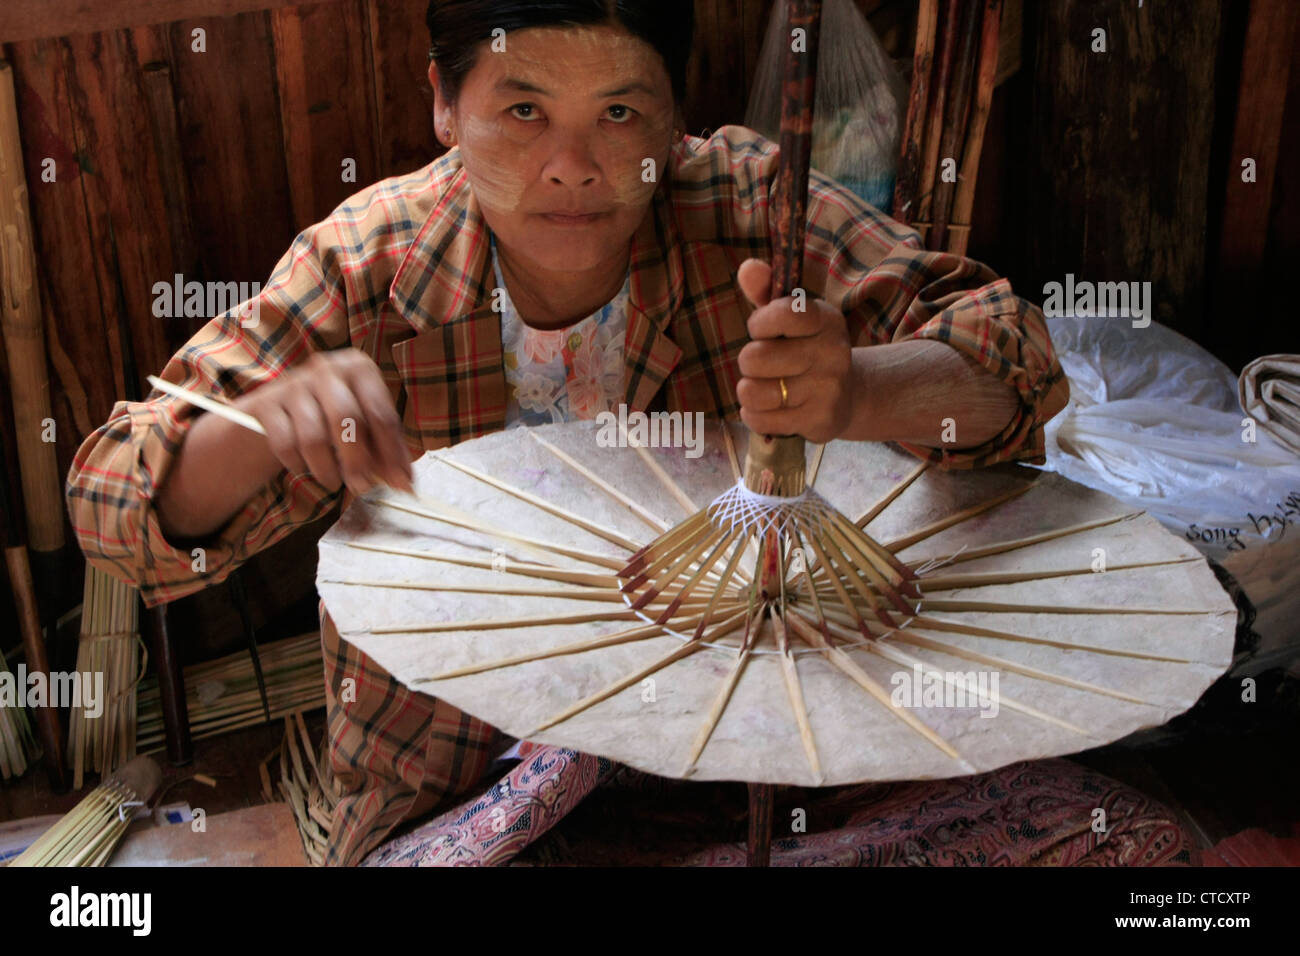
(794, 690)
(725, 580)
(1013, 544)
(906, 541)
(609, 534)
(908, 660)
(680, 563)
(572, 594)
(900, 573)
(940, 624)
(658, 524)
(851, 549)
(686, 649)
(948, 582)
(720, 702)
(576, 647)
(860, 677)
(650, 559)
(683, 595)
(834, 579)
(834, 547)
(994, 607)
(957, 627)
(910, 637)
(890, 495)
(664, 478)
(505, 567)
(498, 623)
(481, 528)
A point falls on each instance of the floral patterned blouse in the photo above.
(567, 374)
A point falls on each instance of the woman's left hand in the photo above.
(810, 350)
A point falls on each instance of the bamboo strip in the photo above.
(956, 627)
(794, 691)
(910, 159)
(505, 567)
(985, 76)
(911, 637)
(657, 470)
(609, 534)
(577, 647)
(1013, 544)
(471, 524)
(907, 540)
(860, 677)
(899, 657)
(658, 524)
(690, 647)
(489, 624)
(719, 705)
(874, 511)
(948, 582)
(995, 607)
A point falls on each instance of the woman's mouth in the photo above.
(561, 219)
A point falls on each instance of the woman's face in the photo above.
(563, 120)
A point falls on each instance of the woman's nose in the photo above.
(573, 162)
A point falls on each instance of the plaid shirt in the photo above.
(402, 271)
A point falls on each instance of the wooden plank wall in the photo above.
(207, 159)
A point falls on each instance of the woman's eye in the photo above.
(625, 115)
(522, 106)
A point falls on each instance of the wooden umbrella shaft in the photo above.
(774, 464)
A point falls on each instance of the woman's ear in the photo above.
(443, 114)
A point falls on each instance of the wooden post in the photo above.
(20, 316)
(762, 797)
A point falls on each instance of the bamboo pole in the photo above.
(950, 18)
(954, 123)
(970, 161)
(909, 159)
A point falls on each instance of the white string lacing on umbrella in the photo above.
(752, 513)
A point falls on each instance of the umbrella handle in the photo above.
(774, 464)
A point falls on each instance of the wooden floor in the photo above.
(1224, 767)
(232, 759)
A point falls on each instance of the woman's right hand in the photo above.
(332, 416)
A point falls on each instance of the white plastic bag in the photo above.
(1153, 419)
(860, 102)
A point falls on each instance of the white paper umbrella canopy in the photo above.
(1051, 618)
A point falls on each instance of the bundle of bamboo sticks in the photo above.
(17, 745)
(951, 96)
(110, 645)
(307, 794)
(89, 833)
(222, 695)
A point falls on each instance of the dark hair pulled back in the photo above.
(457, 27)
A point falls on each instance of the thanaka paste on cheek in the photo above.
(516, 169)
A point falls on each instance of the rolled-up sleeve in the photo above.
(891, 289)
(916, 294)
(120, 467)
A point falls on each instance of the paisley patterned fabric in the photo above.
(1038, 813)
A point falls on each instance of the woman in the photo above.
(572, 251)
